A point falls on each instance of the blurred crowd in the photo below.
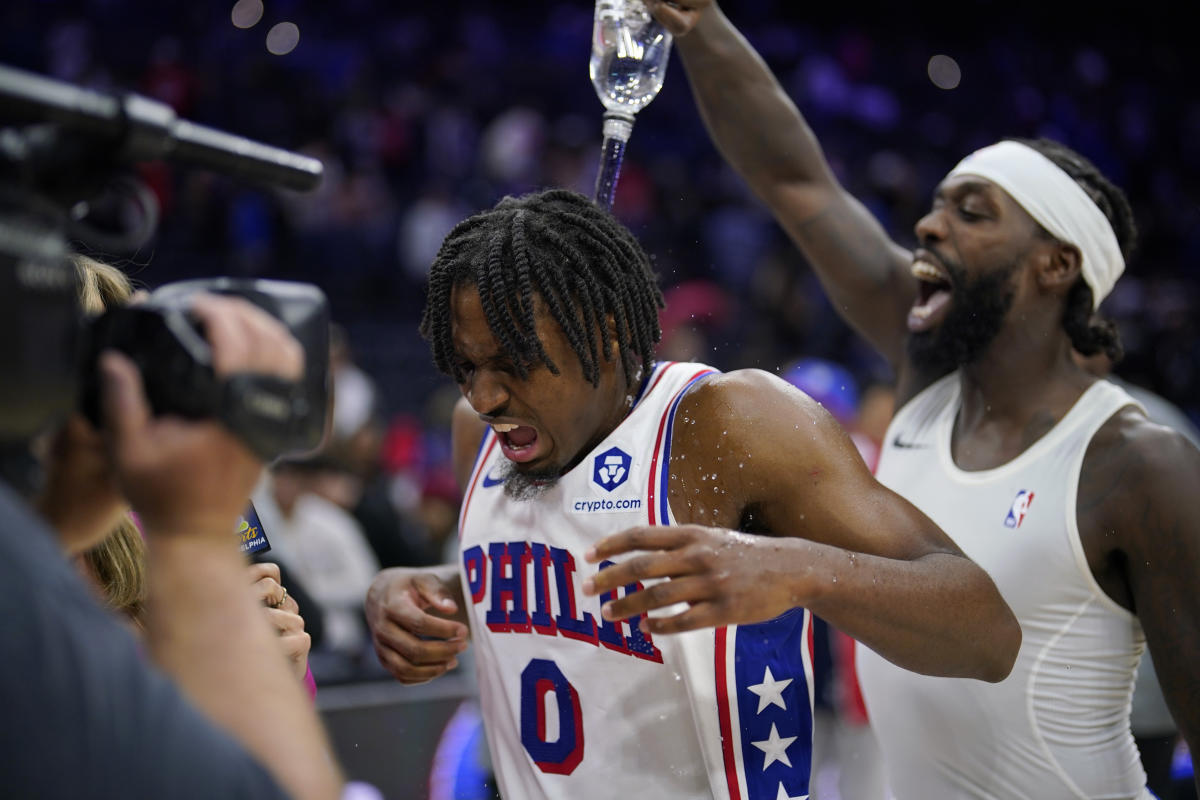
(422, 118)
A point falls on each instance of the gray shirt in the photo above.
(82, 714)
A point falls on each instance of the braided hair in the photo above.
(1090, 333)
(583, 263)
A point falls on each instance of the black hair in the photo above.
(1089, 332)
(585, 265)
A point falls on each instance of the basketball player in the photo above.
(545, 311)
(1083, 512)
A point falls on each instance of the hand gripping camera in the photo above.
(274, 417)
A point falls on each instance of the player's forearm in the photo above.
(205, 629)
(750, 118)
(939, 614)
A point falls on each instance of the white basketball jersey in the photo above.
(576, 707)
(1058, 726)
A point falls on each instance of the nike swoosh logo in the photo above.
(903, 445)
(489, 481)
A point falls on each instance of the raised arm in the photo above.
(849, 549)
(760, 132)
(1138, 490)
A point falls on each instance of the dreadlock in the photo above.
(1089, 332)
(582, 262)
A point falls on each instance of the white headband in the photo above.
(1057, 202)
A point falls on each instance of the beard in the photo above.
(527, 485)
(976, 315)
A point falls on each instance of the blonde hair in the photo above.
(119, 562)
(101, 286)
(119, 566)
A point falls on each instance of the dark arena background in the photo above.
(425, 112)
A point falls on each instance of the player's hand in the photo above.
(284, 615)
(187, 475)
(412, 643)
(678, 16)
(724, 577)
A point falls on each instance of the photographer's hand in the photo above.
(80, 498)
(193, 475)
(189, 481)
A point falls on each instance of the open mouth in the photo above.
(518, 442)
(934, 290)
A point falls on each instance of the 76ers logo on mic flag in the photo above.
(1016, 512)
(611, 468)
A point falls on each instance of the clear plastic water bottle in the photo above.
(630, 50)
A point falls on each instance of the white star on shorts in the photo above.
(770, 691)
(783, 795)
(775, 748)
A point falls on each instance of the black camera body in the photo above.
(273, 416)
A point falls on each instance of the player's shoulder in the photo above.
(758, 410)
(1132, 460)
(1128, 438)
(1137, 490)
(732, 395)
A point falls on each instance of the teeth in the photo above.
(923, 270)
(920, 312)
(504, 427)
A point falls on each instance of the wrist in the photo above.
(805, 574)
(710, 25)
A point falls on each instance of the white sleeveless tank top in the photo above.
(1058, 726)
(576, 707)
